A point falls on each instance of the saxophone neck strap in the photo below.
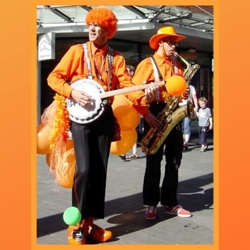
(157, 74)
(158, 77)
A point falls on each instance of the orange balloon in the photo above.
(65, 173)
(121, 105)
(176, 85)
(127, 116)
(129, 120)
(42, 144)
(128, 139)
(48, 159)
(69, 144)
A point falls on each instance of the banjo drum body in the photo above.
(89, 112)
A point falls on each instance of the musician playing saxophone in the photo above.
(92, 140)
(164, 43)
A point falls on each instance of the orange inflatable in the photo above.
(64, 173)
(69, 144)
(42, 145)
(129, 120)
(121, 105)
(176, 85)
(127, 117)
(48, 159)
(128, 139)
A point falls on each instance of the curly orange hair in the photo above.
(105, 18)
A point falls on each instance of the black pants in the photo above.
(92, 147)
(172, 149)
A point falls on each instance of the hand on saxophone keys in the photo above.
(153, 121)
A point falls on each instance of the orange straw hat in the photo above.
(169, 32)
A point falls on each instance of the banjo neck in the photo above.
(95, 108)
(128, 89)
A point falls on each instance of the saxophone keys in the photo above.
(169, 119)
(159, 134)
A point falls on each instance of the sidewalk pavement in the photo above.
(124, 210)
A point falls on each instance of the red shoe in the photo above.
(151, 213)
(76, 235)
(99, 234)
(177, 210)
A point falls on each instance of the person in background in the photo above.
(186, 121)
(162, 66)
(92, 140)
(131, 70)
(205, 122)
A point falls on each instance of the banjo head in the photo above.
(90, 112)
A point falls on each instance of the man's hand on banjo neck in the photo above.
(80, 97)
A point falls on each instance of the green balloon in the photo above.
(72, 216)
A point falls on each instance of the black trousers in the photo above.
(172, 150)
(92, 148)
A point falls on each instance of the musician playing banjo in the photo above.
(93, 61)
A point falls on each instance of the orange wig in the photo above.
(105, 18)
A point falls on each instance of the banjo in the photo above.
(94, 109)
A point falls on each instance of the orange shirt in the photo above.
(145, 73)
(72, 67)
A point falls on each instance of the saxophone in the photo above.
(170, 116)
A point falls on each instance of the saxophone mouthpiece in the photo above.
(175, 54)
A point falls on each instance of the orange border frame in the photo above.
(18, 126)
